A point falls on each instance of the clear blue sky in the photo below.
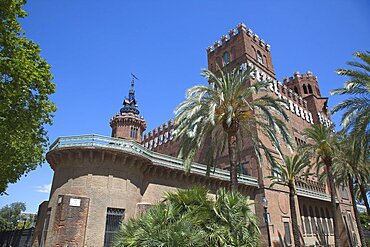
(93, 46)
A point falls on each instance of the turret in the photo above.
(128, 124)
(304, 85)
(240, 46)
(307, 86)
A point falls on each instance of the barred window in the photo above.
(113, 221)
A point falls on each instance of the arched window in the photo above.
(259, 57)
(226, 58)
(296, 90)
(306, 220)
(305, 88)
(309, 88)
(330, 223)
(313, 222)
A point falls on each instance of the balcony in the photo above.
(312, 189)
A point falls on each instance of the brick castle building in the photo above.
(99, 181)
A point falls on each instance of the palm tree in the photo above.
(191, 218)
(351, 164)
(363, 194)
(356, 109)
(224, 112)
(292, 168)
(322, 143)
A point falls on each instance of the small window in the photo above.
(305, 88)
(287, 237)
(226, 58)
(259, 57)
(112, 223)
(309, 88)
(134, 132)
(296, 90)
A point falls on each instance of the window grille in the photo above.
(113, 221)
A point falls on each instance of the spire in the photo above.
(130, 103)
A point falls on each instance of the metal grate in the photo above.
(113, 221)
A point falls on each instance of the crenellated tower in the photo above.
(128, 124)
(307, 87)
(241, 46)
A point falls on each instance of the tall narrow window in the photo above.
(296, 90)
(319, 222)
(313, 222)
(112, 223)
(305, 88)
(324, 221)
(330, 223)
(287, 237)
(306, 220)
(226, 58)
(309, 88)
(259, 57)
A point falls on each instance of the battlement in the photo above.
(298, 77)
(128, 118)
(233, 32)
(160, 135)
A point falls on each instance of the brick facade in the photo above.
(102, 178)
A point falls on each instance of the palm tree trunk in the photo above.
(358, 222)
(333, 204)
(232, 158)
(293, 213)
(364, 196)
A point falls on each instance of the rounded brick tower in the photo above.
(128, 124)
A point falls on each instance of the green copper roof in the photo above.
(135, 148)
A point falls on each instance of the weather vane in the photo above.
(133, 80)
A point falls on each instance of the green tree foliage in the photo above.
(292, 168)
(357, 108)
(226, 113)
(10, 215)
(351, 166)
(25, 107)
(365, 220)
(191, 218)
(322, 144)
